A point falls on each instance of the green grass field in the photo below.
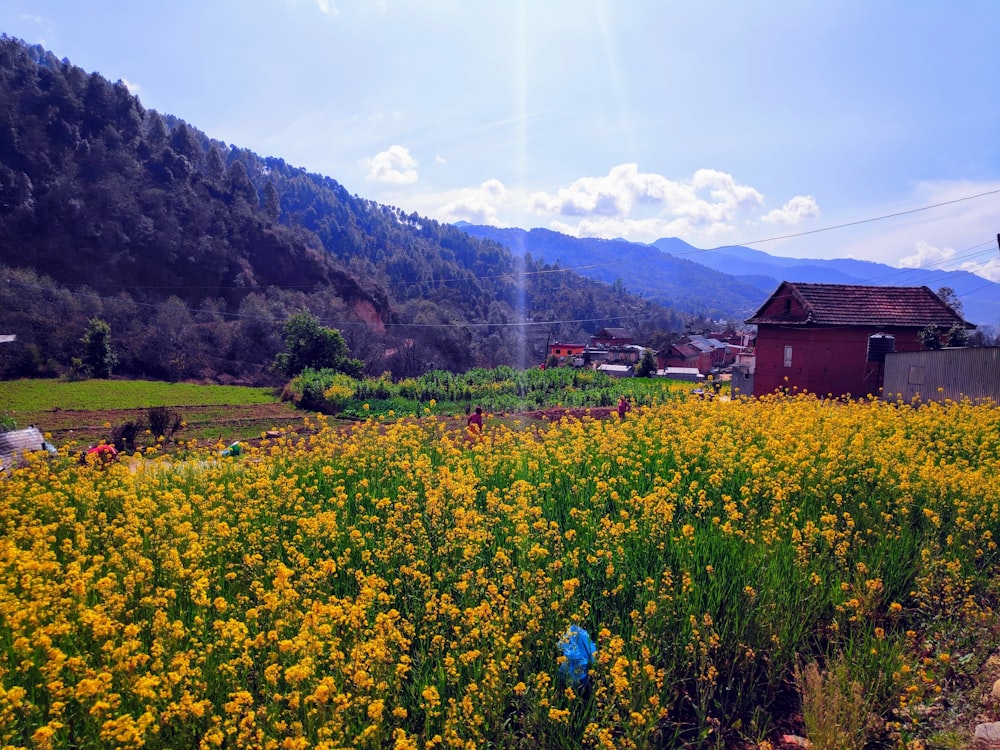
(96, 395)
(85, 411)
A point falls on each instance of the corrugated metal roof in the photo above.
(797, 303)
(616, 370)
(705, 340)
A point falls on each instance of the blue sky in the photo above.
(716, 122)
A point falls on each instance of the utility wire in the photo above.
(337, 324)
(863, 221)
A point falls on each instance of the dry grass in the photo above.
(834, 710)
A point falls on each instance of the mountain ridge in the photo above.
(746, 276)
(980, 297)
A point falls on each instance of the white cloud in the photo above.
(133, 88)
(947, 258)
(724, 190)
(644, 207)
(328, 7)
(989, 270)
(628, 195)
(796, 210)
(603, 196)
(926, 256)
(395, 166)
(476, 205)
(635, 230)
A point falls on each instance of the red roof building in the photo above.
(818, 337)
(686, 354)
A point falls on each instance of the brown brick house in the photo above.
(816, 337)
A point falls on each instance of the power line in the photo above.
(964, 255)
(864, 221)
(340, 324)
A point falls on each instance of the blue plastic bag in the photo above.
(578, 648)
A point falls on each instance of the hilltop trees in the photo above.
(194, 251)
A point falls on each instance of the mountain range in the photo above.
(728, 282)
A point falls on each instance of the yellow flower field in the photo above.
(403, 585)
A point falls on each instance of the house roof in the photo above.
(855, 305)
(685, 350)
(700, 340)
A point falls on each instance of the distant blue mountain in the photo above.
(678, 282)
(728, 282)
(980, 297)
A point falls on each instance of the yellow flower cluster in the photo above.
(397, 585)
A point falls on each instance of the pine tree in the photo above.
(272, 202)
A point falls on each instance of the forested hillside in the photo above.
(195, 252)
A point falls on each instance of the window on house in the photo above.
(788, 356)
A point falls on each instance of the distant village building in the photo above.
(566, 350)
(563, 351)
(617, 371)
(717, 349)
(612, 337)
(628, 353)
(687, 355)
(690, 374)
(706, 353)
(609, 345)
(816, 337)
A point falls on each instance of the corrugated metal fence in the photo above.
(954, 374)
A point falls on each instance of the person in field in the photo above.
(104, 453)
(475, 421)
(624, 407)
